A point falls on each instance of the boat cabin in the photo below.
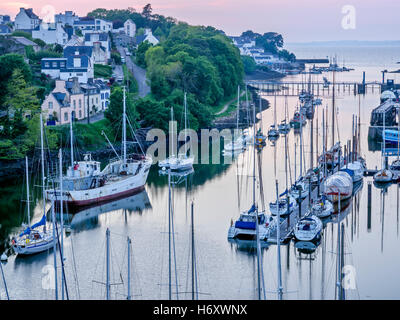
(386, 110)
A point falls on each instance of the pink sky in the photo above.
(312, 20)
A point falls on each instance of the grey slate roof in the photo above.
(83, 50)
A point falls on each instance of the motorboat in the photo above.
(308, 229)
(244, 228)
(383, 176)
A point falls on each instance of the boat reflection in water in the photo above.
(88, 218)
(307, 247)
(248, 245)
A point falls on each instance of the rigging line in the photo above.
(173, 240)
(55, 223)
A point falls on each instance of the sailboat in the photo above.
(384, 175)
(273, 131)
(308, 228)
(239, 144)
(252, 224)
(322, 207)
(121, 177)
(260, 137)
(32, 240)
(183, 161)
(284, 126)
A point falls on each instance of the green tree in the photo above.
(114, 111)
(141, 53)
(20, 96)
(248, 64)
(8, 63)
(147, 11)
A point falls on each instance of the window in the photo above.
(80, 103)
(102, 96)
(92, 100)
(50, 105)
(107, 95)
(62, 64)
(47, 64)
(97, 100)
(66, 116)
(80, 114)
(74, 104)
(54, 64)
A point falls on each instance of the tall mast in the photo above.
(275, 109)
(42, 160)
(62, 223)
(254, 204)
(193, 256)
(278, 244)
(27, 192)
(301, 150)
(129, 269)
(169, 236)
(124, 129)
(108, 286)
(185, 124)
(237, 113)
(333, 110)
(53, 218)
(172, 136)
(72, 144)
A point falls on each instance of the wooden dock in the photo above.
(292, 88)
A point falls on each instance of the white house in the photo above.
(68, 17)
(93, 25)
(76, 65)
(148, 36)
(102, 38)
(51, 33)
(130, 28)
(26, 20)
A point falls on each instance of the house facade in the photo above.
(148, 36)
(67, 18)
(130, 28)
(101, 39)
(69, 100)
(51, 33)
(26, 20)
(93, 25)
(76, 65)
(5, 30)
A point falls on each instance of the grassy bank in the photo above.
(87, 136)
(102, 71)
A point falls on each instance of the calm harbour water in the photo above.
(225, 270)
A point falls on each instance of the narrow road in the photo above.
(138, 73)
(226, 106)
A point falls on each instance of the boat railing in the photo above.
(130, 158)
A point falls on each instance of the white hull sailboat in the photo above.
(121, 177)
(322, 207)
(308, 229)
(32, 240)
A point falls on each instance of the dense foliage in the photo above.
(198, 60)
(145, 19)
(271, 42)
